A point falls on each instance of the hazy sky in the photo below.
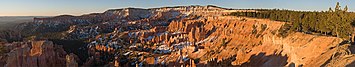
(78, 7)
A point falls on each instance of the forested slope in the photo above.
(338, 22)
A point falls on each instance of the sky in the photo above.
(79, 7)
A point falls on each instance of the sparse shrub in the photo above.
(197, 60)
(273, 32)
(254, 31)
(284, 30)
(243, 19)
(258, 35)
(263, 27)
(224, 43)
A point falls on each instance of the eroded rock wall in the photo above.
(37, 54)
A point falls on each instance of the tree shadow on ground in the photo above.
(258, 60)
(73, 46)
(352, 64)
(261, 59)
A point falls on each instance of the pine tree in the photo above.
(336, 21)
(330, 9)
(346, 8)
(337, 7)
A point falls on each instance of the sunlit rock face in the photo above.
(63, 22)
(213, 40)
(37, 54)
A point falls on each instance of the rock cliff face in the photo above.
(174, 36)
(222, 40)
(126, 15)
(37, 54)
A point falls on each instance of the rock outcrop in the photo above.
(37, 54)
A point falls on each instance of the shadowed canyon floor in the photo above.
(169, 36)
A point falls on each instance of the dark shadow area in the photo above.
(269, 61)
(211, 31)
(352, 49)
(344, 42)
(10, 35)
(352, 64)
(255, 61)
(73, 46)
(328, 61)
(292, 65)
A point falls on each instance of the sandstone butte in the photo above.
(194, 36)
